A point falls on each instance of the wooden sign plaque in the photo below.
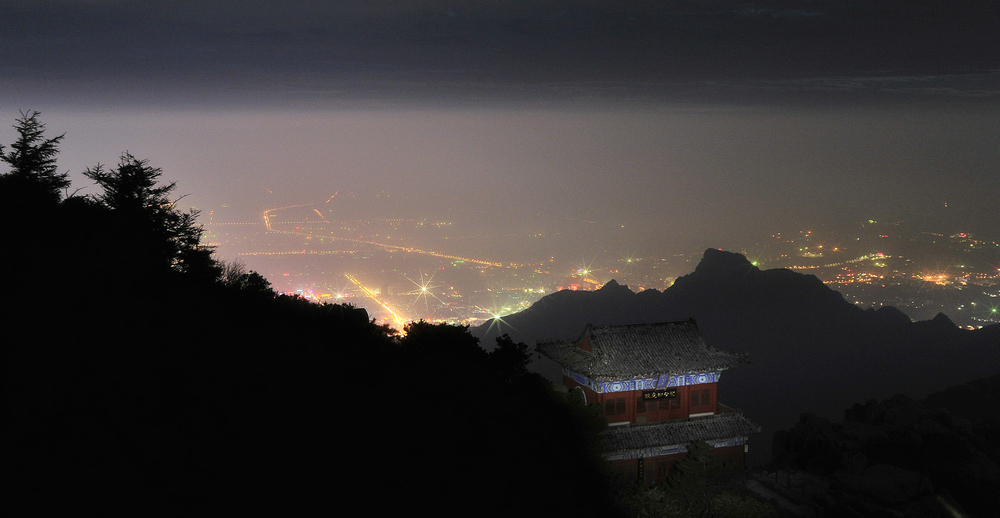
(652, 395)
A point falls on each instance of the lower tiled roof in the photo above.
(677, 431)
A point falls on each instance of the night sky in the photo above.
(694, 123)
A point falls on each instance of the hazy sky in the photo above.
(714, 119)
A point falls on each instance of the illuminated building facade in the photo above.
(657, 384)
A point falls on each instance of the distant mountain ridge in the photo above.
(810, 350)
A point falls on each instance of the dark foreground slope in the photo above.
(809, 348)
(195, 398)
(136, 379)
(282, 406)
(900, 456)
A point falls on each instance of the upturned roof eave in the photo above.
(679, 431)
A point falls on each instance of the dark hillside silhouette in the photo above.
(808, 347)
(140, 376)
(978, 400)
(900, 456)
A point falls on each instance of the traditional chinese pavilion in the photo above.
(657, 384)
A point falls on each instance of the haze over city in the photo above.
(692, 124)
(586, 131)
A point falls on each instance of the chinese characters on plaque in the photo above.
(650, 395)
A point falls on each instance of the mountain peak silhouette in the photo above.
(612, 285)
(715, 259)
(942, 320)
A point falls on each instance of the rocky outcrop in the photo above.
(897, 457)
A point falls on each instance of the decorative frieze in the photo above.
(628, 385)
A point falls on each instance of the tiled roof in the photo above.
(677, 431)
(640, 350)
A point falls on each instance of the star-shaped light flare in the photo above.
(424, 289)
